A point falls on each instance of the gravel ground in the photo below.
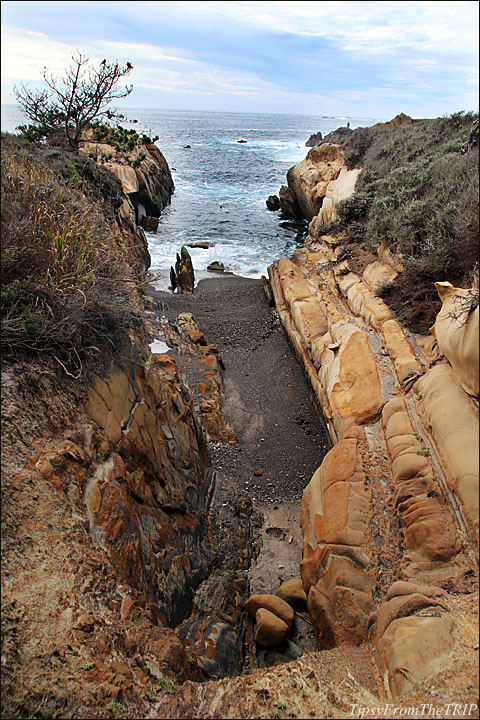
(281, 441)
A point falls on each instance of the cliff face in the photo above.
(317, 184)
(124, 561)
(390, 521)
(142, 169)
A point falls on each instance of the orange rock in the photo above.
(270, 630)
(274, 604)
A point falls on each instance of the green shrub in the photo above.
(353, 208)
(418, 191)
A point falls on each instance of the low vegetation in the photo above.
(128, 144)
(65, 275)
(419, 192)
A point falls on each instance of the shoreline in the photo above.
(162, 284)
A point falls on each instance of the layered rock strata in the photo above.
(389, 518)
(145, 177)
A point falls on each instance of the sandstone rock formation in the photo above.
(145, 176)
(456, 331)
(389, 519)
(308, 180)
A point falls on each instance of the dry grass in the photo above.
(63, 266)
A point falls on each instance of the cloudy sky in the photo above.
(370, 59)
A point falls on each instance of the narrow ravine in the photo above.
(268, 402)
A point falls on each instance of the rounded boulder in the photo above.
(293, 593)
(273, 604)
(271, 630)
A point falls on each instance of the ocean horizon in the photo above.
(221, 184)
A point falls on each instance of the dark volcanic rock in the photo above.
(289, 205)
(273, 202)
(314, 139)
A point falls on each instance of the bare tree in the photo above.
(80, 97)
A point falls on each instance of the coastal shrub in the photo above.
(353, 208)
(419, 192)
(63, 267)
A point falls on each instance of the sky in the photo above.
(364, 59)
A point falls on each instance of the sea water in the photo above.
(221, 184)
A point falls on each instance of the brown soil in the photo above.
(414, 302)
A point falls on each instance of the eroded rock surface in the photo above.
(389, 519)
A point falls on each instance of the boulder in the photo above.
(273, 202)
(273, 604)
(293, 593)
(271, 630)
(216, 266)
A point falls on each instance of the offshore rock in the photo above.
(273, 202)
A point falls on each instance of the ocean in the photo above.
(221, 185)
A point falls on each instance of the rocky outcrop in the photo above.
(389, 519)
(337, 190)
(154, 509)
(339, 135)
(273, 202)
(317, 185)
(308, 180)
(144, 173)
(183, 276)
(314, 139)
(456, 331)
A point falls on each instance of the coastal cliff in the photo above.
(108, 489)
(390, 519)
(126, 558)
